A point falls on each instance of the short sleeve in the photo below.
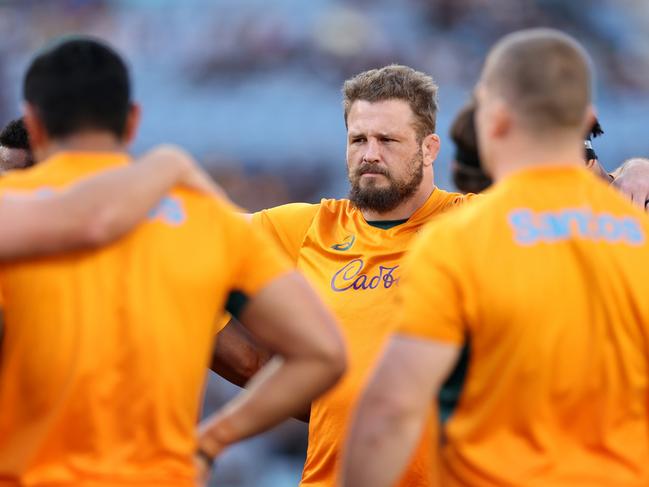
(431, 293)
(254, 259)
(287, 225)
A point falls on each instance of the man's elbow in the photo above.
(333, 354)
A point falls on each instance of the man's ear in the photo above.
(132, 122)
(501, 120)
(430, 148)
(38, 136)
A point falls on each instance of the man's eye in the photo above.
(387, 139)
(359, 140)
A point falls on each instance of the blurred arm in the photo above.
(287, 317)
(393, 410)
(89, 214)
(238, 356)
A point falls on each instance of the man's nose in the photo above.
(372, 151)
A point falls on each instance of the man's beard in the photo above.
(385, 199)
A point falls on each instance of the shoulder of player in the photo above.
(25, 180)
(469, 208)
(453, 199)
(461, 226)
(289, 213)
(335, 206)
(197, 200)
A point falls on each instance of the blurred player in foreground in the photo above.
(104, 353)
(547, 277)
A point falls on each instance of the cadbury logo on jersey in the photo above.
(532, 227)
(346, 244)
(351, 277)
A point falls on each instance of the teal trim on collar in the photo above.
(387, 224)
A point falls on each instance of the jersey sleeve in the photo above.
(431, 293)
(287, 225)
(254, 259)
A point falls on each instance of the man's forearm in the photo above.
(393, 410)
(92, 212)
(281, 389)
(380, 445)
(237, 357)
(140, 187)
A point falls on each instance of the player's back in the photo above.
(104, 352)
(555, 268)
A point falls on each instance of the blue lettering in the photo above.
(609, 228)
(525, 232)
(562, 225)
(555, 226)
(632, 231)
(170, 211)
(579, 221)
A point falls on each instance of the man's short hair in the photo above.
(14, 135)
(79, 84)
(396, 82)
(543, 75)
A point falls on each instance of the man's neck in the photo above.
(523, 156)
(84, 142)
(404, 210)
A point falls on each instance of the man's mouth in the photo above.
(372, 171)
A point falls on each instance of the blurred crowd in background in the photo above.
(252, 89)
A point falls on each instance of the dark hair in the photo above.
(79, 84)
(467, 172)
(14, 135)
(396, 82)
(595, 131)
